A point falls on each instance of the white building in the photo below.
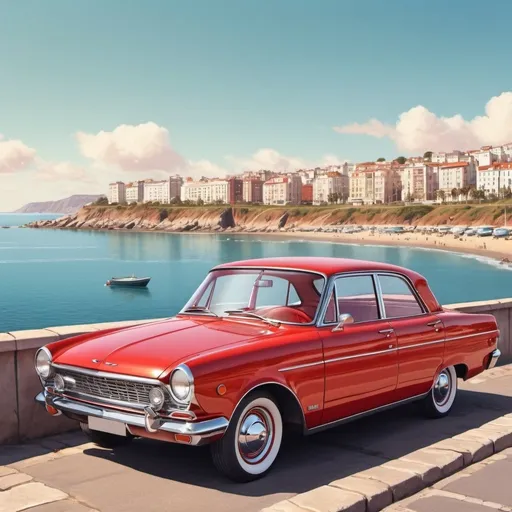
(448, 158)
(373, 183)
(116, 192)
(208, 191)
(325, 185)
(492, 179)
(135, 192)
(456, 175)
(157, 191)
(420, 181)
(283, 190)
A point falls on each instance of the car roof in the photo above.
(327, 266)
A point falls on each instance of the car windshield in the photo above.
(285, 296)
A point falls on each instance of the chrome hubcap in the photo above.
(255, 435)
(442, 388)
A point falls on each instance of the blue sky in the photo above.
(228, 77)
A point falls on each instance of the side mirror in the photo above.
(344, 319)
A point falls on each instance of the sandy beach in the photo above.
(485, 246)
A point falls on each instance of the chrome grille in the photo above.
(106, 388)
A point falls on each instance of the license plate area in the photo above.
(108, 426)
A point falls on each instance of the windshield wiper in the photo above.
(199, 309)
(254, 315)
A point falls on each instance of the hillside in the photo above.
(268, 218)
(68, 205)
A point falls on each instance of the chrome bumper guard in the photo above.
(197, 430)
(494, 358)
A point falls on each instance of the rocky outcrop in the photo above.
(266, 219)
(227, 220)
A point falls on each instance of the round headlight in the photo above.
(156, 398)
(182, 384)
(59, 384)
(43, 363)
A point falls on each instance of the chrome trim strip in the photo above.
(405, 347)
(473, 335)
(341, 421)
(206, 428)
(289, 368)
(108, 375)
(299, 366)
(336, 359)
(378, 293)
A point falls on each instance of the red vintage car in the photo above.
(264, 344)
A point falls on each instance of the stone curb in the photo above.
(376, 488)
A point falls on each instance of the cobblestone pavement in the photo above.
(66, 474)
(483, 487)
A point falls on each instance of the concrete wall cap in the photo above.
(7, 342)
(34, 338)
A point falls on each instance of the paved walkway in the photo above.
(62, 474)
(483, 487)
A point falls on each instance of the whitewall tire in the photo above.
(252, 441)
(438, 403)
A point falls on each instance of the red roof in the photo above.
(455, 164)
(324, 265)
(496, 166)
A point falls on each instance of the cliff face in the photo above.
(261, 218)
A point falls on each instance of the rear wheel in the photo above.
(252, 441)
(438, 403)
(104, 439)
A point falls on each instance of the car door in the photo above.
(420, 335)
(361, 362)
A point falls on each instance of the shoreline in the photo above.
(495, 249)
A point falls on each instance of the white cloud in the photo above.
(272, 160)
(419, 130)
(15, 156)
(143, 147)
(63, 171)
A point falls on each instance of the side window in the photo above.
(356, 296)
(399, 301)
(281, 293)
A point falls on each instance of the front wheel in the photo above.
(439, 401)
(104, 439)
(251, 443)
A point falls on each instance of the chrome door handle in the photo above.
(387, 332)
(435, 324)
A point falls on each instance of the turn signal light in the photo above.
(52, 410)
(181, 438)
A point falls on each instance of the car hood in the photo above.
(148, 350)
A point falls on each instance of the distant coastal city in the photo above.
(485, 173)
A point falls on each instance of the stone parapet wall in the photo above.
(22, 419)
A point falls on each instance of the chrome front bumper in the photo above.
(198, 431)
(494, 358)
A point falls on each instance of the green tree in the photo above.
(441, 194)
(101, 201)
(455, 193)
(199, 202)
(401, 160)
(381, 159)
(465, 192)
(427, 156)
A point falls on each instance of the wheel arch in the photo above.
(287, 402)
